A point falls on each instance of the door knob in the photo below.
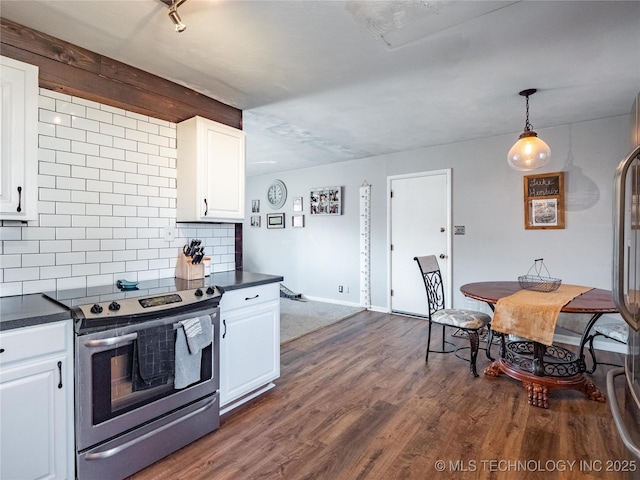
(443, 256)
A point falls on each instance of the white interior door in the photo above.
(420, 224)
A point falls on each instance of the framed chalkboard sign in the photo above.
(544, 201)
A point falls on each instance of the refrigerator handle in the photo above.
(619, 267)
(617, 414)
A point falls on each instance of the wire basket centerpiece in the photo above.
(538, 282)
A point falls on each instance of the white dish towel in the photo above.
(192, 336)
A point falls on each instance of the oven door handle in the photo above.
(115, 450)
(106, 342)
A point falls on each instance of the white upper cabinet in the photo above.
(210, 169)
(19, 141)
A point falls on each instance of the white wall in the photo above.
(106, 189)
(487, 200)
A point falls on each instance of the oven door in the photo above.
(107, 403)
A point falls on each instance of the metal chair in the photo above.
(469, 321)
(618, 331)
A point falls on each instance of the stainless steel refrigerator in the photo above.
(625, 402)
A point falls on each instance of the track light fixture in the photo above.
(529, 152)
(175, 18)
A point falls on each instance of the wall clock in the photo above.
(277, 194)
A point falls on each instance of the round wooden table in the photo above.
(539, 367)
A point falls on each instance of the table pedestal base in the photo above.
(538, 387)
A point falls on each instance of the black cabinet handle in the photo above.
(19, 209)
(206, 207)
(60, 372)
(224, 334)
(1, 350)
(251, 298)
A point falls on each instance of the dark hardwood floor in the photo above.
(357, 401)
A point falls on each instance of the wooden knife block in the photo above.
(186, 270)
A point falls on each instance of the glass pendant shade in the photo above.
(528, 153)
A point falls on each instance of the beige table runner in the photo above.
(533, 315)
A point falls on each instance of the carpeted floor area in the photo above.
(299, 318)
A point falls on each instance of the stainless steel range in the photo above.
(140, 394)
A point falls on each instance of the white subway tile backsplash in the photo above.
(46, 103)
(107, 187)
(73, 233)
(121, 166)
(54, 118)
(148, 148)
(100, 115)
(59, 170)
(85, 124)
(85, 172)
(123, 121)
(124, 144)
(148, 127)
(55, 246)
(112, 152)
(71, 158)
(113, 130)
(99, 186)
(70, 208)
(70, 133)
(54, 195)
(38, 233)
(55, 272)
(85, 148)
(70, 258)
(71, 282)
(85, 221)
(10, 261)
(70, 183)
(99, 139)
(38, 286)
(85, 269)
(112, 198)
(53, 143)
(85, 197)
(47, 220)
(85, 246)
(21, 274)
(112, 222)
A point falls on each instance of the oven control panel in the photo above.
(138, 305)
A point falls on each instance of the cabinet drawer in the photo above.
(29, 342)
(246, 297)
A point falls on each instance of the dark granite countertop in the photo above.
(28, 310)
(36, 309)
(239, 279)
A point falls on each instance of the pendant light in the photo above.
(529, 152)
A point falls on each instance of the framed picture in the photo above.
(544, 201)
(325, 201)
(297, 204)
(275, 220)
(255, 220)
(297, 221)
(255, 206)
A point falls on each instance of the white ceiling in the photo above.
(327, 81)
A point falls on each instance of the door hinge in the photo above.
(392, 293)
(391, 193)
(391, 247)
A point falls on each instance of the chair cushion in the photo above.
(617, 331)
(461, 318)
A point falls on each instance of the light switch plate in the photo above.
(169, 233)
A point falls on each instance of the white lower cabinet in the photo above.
(36, 402)
(249, 343)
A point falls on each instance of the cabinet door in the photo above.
(225, 164)
(33, 437)
(249, 350)
(19, 145)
